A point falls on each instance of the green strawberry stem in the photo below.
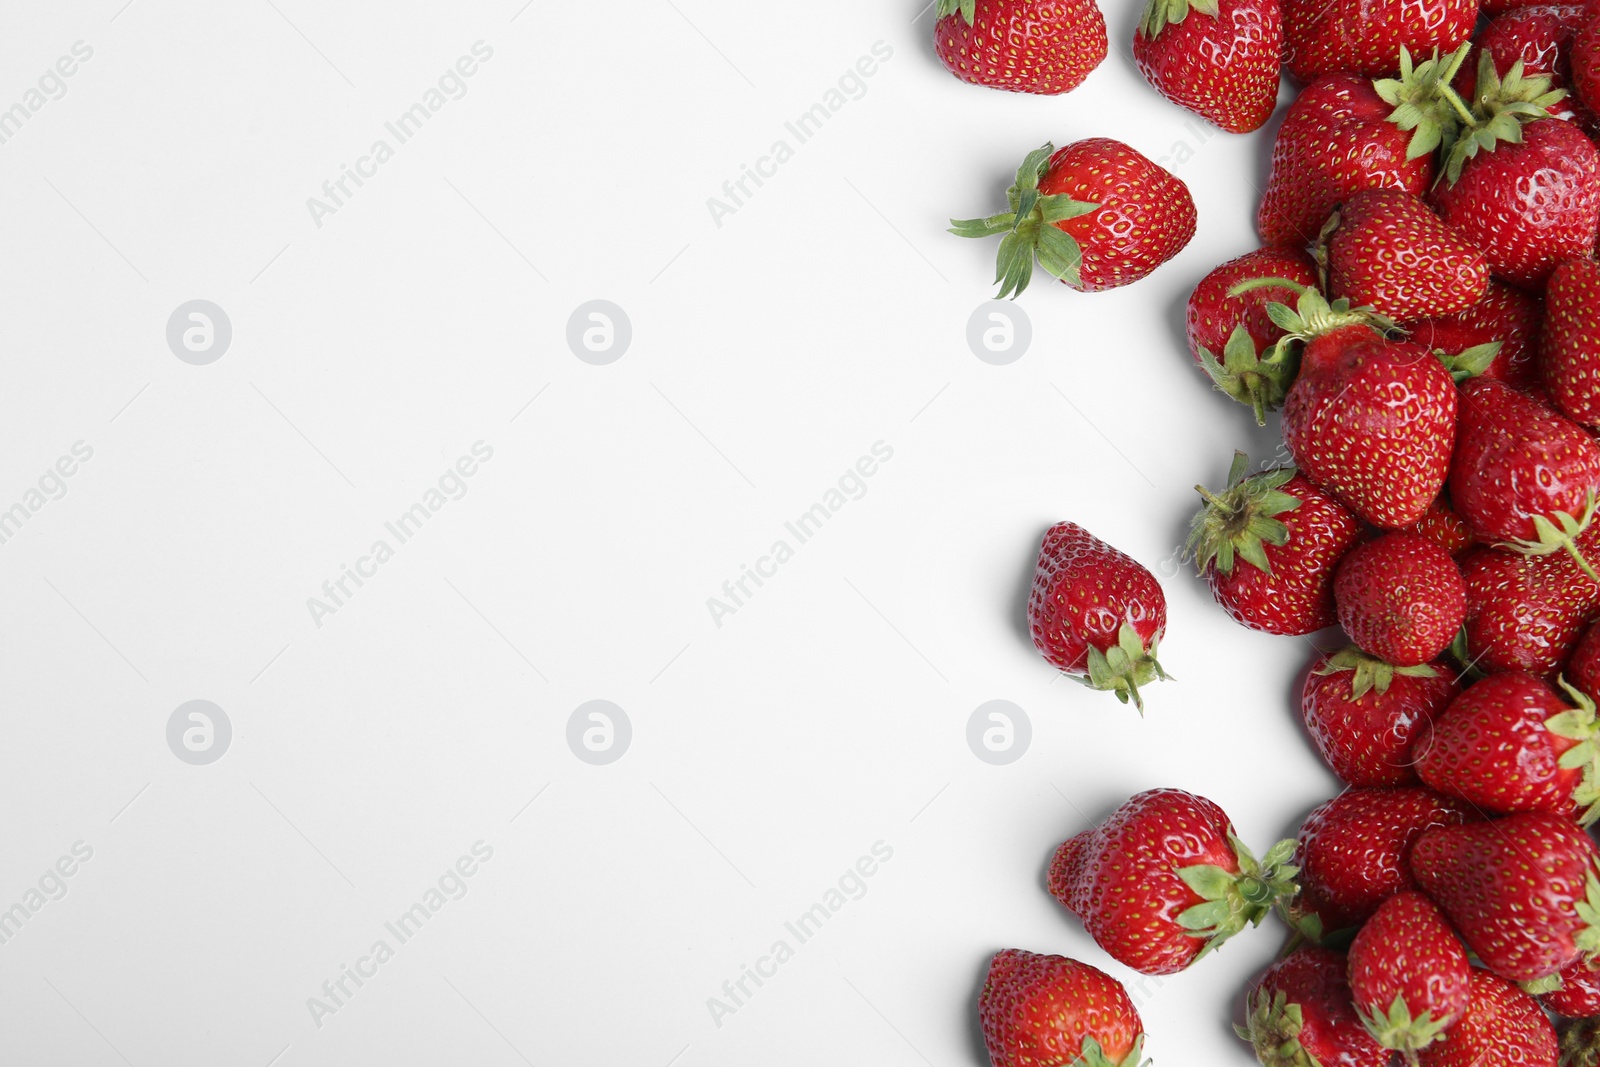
(1230, 901)
(1029, 231)
(1273, 1030)
(968, 9)
(1368, 673)
(1246, 377)
(1125, 666)
(1159, 13)
(1559, 532)
(1242, 520)
(1578, 724)
(1402, 1031)
(1311, 317)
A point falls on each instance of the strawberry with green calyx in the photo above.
(1024, 46)
(1409, 974)
(1095, 214)
(1299, 1013)
(1218, 58)
(1246, 377)
(1036, 1010)
(1361, 713)
(1230, 335)
(1506, 316)
(1268, 545)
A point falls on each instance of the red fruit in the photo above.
(1522, 476)
(1163, 881)
(1366, 36)
(1096, 613)
(1218, 58)
(1361, 712)
(1540, 35)
(1503, 1025)
(1353, 850)
(1510, 743)
(1444, 527)
(1096, 214)
(1506, 315)
(1526, 613)
(1300, 1013)
(1335, 141)
(1387, 251)
(1529, 205)
(1521, 891)
(1579, 995)
(1025, 46)
(1268, 546)
(1570, 354)
(1586, 63)
(1372, 421)
(1408, 974)
(1400, 598)
(1583, 669)
(1039, 1010)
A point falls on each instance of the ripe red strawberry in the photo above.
(1218, 58)
(1350, 432)
(1506, 315)
(1366, 36)
(1510, 743)
(1300, 1013)
(1353, 850)
(1025, 46)
(1522, 476)
(1095, 613)
(1540, 35)
(1444, 527)
(1361, 712)
(1522, 891)
(1570, 352)
(1579, 994)
(1503, 1025)
(1526, 613)
(1268, 545)
(1401, 598)
(1229, 335)
(1037, 1010)
(1335, 141)
(1164, 880)
(1585, 56)
(1387, 251)
(1583, 669)
(1408, 974)
(1096, 215)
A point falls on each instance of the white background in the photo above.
(768, 354)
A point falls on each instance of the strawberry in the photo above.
(1585, 57)
(1039, 1010)
(1229, 334)
(1507, 316)
(1387, 251)
(1300, 1014)
(1524, 891)
(1025, 46)
(1579, 994)
(1218, 58)
(1408, 974)
(1510, 743)
(1353, 851)
(1522, 476)
(1540, 35)
(1095, 214)
(1268, 545)
(1095, 613)
(1361, 712)
(1164, 881)
(1335, 141)
(1366, 36)
(1503, 1025)
(1525, 613)
(1401, 598)
(1444, 527)
(1570, 346)
(1583, 669)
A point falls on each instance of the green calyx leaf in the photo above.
(1244, 376)
(1425, 103)
(1273, 1030)
(1578, 724)
(1312, 316)
(968, 9)
(1558, 532)
(1125, 666)
(1369, 673)
(1469, 363)
(1159, 13)
(1031, 229)
(1093, 1054)
(1588, 911)
(1470, 671)
(1500, 108)
(1230, 902)
(1398, 1029)
(1538, 987)
(1242, 520)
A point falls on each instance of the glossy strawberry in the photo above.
(1095, 613)
(1025, 46)
(1579, 994)
(1095, 214)
(1164, 880)
(1583, 669)
(1230, 334)
(1268, 545)
(1507, 316)
(1365, 36)
(1218, 58)
(1386, 250)
(1526, 613)
(1570, 346)
(1300, 1013)
(1408, 973)
(1444, 527)
(1038, 1010)
(1361, 714)
(1522, 891)
(1503, 1025)
(1400, 597)
(1585, 57)
(1540, 35)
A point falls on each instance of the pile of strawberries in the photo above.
(1425, 314)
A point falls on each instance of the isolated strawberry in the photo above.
(1522, 891)
(1335, 141)
(1218, 58)
(1268, 545)
(1025, 46)
(1095, 214)
(1570, 346)
(1526, 613)
(1578, 997)
(1503, 1025)
(1229, 334)
(1408, 974)
(1361, 712)
(1444, 527)
(1164, 880)
(1400, 597)
(1511, 743)
(1366, 36)
(1353, 850)
(1040, 1010)
(1506, 316)
(1095, 613)
(1299, 1013)
(1386, 250)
